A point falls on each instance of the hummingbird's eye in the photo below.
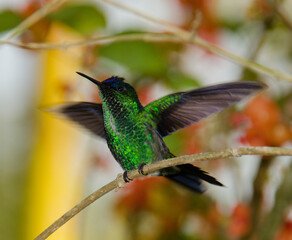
(121, 89)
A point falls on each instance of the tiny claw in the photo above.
(140, 169)
(125, 177)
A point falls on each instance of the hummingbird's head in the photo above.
(114, 90)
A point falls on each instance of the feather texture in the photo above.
(183, 109)
(87, 114)
(190, 177)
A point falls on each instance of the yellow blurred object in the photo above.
(57, 167)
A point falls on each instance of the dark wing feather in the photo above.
(183, 109)
(88, 115)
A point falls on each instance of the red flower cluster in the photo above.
(266, 125)
(209, 26)
(286, 232)
(240, 221)
(136, 194)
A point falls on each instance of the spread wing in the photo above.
(183, 109)
(87, 114)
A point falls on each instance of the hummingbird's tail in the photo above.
(190, 177)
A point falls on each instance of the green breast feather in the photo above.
(132, 139)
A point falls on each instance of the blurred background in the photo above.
(48, 164)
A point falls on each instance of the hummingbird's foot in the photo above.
(140, 169)
(125, 177)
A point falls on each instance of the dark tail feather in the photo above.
(193, 183)
(191, 169)
(191, 176)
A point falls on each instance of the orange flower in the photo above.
(259, 9)
(286, 232)
(136, 193)
(240, 221)
(266, 124)
(191, 139)
(209, 27)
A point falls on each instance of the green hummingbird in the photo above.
(134, 133)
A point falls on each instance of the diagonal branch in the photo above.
(155, 37)
(176, 35)
(276, 7)
(119, 182)
(186, 36)
(32, 19)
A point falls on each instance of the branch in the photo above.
(195, 25)
(177, 35)
(274, 219)
(153, 37)
(277, 9)
(32, 19)
(119, 181)
(257, 200)
(186, 36)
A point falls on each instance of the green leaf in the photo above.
(181, 81)
(233, 26)
(138, 56)
(9, 20)
(84, 18)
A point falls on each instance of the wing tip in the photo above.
(255, 84)
(50, 108)
(57, 108)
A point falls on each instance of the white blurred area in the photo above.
(19, 85)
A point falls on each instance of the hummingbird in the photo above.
(134, 133)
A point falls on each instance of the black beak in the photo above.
(90, 78)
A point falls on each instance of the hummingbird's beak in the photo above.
(90, 78)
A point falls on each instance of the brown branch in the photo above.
(186, 36)
(257, 200)
(32, 19)
(153, 37)
(119, 182)
(177, 35)
(156, 37)
(195, 25)
(277, 9)
(275, 218)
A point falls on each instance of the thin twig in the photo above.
(119, 182)
(195, 25)
(166, 25)
(179, 35)
(275, 218)
(185, 36)
(277, 9)
(153, 37)
(257, 200)
(156, 38)
(32, 19)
